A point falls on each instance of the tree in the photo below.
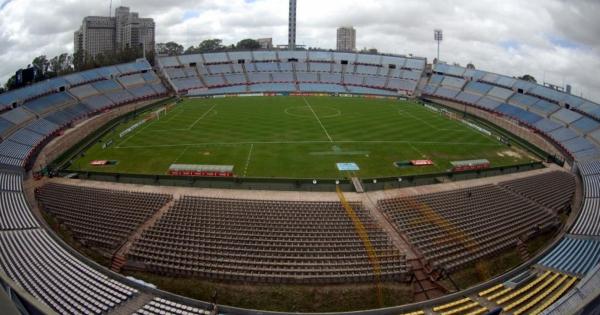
(11, 84)
(190, 50)
(528, 78)
(42, 64)
(210, 45)
(61, 64)
(369, 50)
(471, 66)
(248, 44)
(170, 49)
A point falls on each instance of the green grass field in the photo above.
(297, 137)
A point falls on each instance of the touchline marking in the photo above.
(201, 117)
(304, 142)
(402, 112)
(248, 159)
(317, 117)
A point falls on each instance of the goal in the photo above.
(158, 113)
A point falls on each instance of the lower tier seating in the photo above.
(454, 228)
(557, 193)
(265, 241)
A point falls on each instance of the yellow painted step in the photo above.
(554, 297)
(490, 290)
(450, 305)
(499, 294)
(479, 311)
(461, 309)
(541, 296)
(524, 289)
(415, 313)
(531, 292)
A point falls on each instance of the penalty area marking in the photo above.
(201, 117)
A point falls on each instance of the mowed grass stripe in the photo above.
(288, 140)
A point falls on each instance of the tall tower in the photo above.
(292, 26)
(346, 38)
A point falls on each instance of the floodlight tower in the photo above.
(292, 26)
(438, 35)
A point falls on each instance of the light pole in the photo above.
(438, 35)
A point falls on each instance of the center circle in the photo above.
(306, 112)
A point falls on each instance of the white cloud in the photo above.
(552, 39)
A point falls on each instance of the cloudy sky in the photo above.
(554, 40)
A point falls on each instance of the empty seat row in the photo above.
(454, 228)
(45, 270)
(266, 241)
(101, 217)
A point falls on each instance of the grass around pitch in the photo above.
(297, 137)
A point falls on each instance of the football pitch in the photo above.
(297, 137)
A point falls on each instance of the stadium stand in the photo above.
(558, 193)
(537, 107)
(67, 285)
(28, 255)
(574, 256)
(100, 217)
(159, 306)
(532, 295)
(454, 228)
(49, 273)
(575, 299)
(321, 69)
(588, 222)
(14, 210)
(265, 241)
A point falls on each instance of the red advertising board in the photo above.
(201, 173)
(421, 162)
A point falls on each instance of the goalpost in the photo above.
(161, 112)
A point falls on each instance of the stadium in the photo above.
(287, 181)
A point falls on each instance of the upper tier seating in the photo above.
(535, 106)
(101, 217)
(49, 103)
(574, 256)
(54, 277)
(265, 241)
(369, 73)
(14, 211)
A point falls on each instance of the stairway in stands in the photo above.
(424, 287)
(119, 259)
(523, 251)
(424, 282)
(133, 305)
